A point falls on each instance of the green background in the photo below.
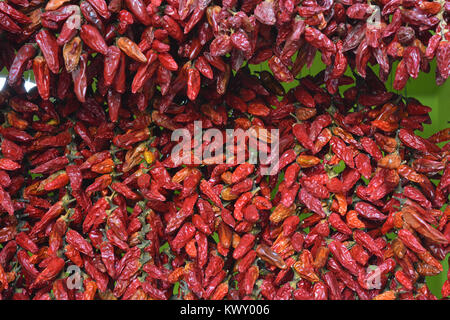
(423, 88)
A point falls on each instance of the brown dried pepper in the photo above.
(131, 49)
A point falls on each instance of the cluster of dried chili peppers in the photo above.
(355, 209)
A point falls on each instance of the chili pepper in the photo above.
(93, 39)
(128, 139)
(6, 202)
(56, 181)
(304, 267)
(319, 40)
(92, 16)
(78, 242)
(280, 71)
(15, 14)
(193, 83)
(412, 141)
(50, 272)
(270, 256)
(8, 24)
(416, 222)
(131, 49)
(311, 202)
(288, 196)
(42, 76)
(101, 7)
(52, 213)
(249, 280)
(8, 165)
(73, 255)
(191, 276)
(206, 188)
(100, 278)
(245, 244)
(342, 151)
(202, 244)
(186, 233)
(410, 241)
(246, 261)
(172, 27)
(79, 78)
(75, 176)
(401, 76)
(343, 256)
(137, 7)
(111, 64)
(203, 66)
(28, 267)
(368, 242)
(168, 62)
(25, 242)
(368, 211)
(49, 48)
(442, 54)
(337, 223)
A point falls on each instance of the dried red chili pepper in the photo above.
(49, 48)
(24, 54)
(93, 39)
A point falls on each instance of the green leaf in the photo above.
(164, 247)
(303, 216)
(436, 282)
(391, 236)
(275, 190)
(339, 167)
(176, 288)
(366, 181)
(36, 175)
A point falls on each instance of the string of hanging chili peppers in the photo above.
(355, 209)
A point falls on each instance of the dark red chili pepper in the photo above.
(49, 48)
(24, 54)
